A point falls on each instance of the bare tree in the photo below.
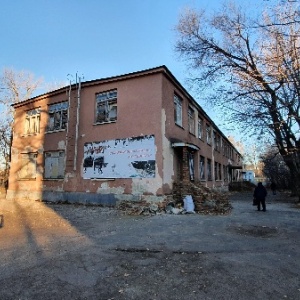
(275, 169)
(250, 70)
(15, 86)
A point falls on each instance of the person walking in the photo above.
(260, 194)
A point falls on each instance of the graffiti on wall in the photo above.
(132, 157)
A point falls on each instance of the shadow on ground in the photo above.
(82, 252)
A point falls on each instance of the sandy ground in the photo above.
(79, 252)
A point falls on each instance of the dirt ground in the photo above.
(80, 252)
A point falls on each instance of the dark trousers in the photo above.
(263, 204)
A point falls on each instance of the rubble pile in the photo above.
(206, 200)
(141, 207)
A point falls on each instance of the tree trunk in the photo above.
(293, 162)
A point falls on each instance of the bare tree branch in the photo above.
(250, 71)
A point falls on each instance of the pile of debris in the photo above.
(141, 207)
(206, 200)
(187, 198)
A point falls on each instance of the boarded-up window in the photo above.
(54, 165)
(28, 166)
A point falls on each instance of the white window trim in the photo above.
(32, 121)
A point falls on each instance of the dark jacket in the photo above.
(260, 192)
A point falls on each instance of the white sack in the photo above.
(188, 203)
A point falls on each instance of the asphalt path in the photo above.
(52, 251)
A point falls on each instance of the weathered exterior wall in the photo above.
(139, 106)
(138, 115)
(145, 107)
(174, 132)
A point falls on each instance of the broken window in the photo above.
(58, 116)
(191, 120)
(54, 165)
(209, 177)
(28, 166)
(106, 106)
(177, 110)
(202, 168)
(32, 121)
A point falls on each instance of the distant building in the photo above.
(124, 137)
(249, 175)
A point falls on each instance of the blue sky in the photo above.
(94, 38)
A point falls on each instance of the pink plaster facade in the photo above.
(51, 164)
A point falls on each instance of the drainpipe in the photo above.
(77, 123)
(68, 128)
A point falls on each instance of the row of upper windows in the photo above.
(106, 111)
(203, 129)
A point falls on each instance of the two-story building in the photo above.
(128, 137)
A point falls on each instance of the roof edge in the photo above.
(159, 69)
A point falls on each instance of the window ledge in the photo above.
(179, 126)
(30, 134)
(107, 122)
(101, 179)
(54, 131)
